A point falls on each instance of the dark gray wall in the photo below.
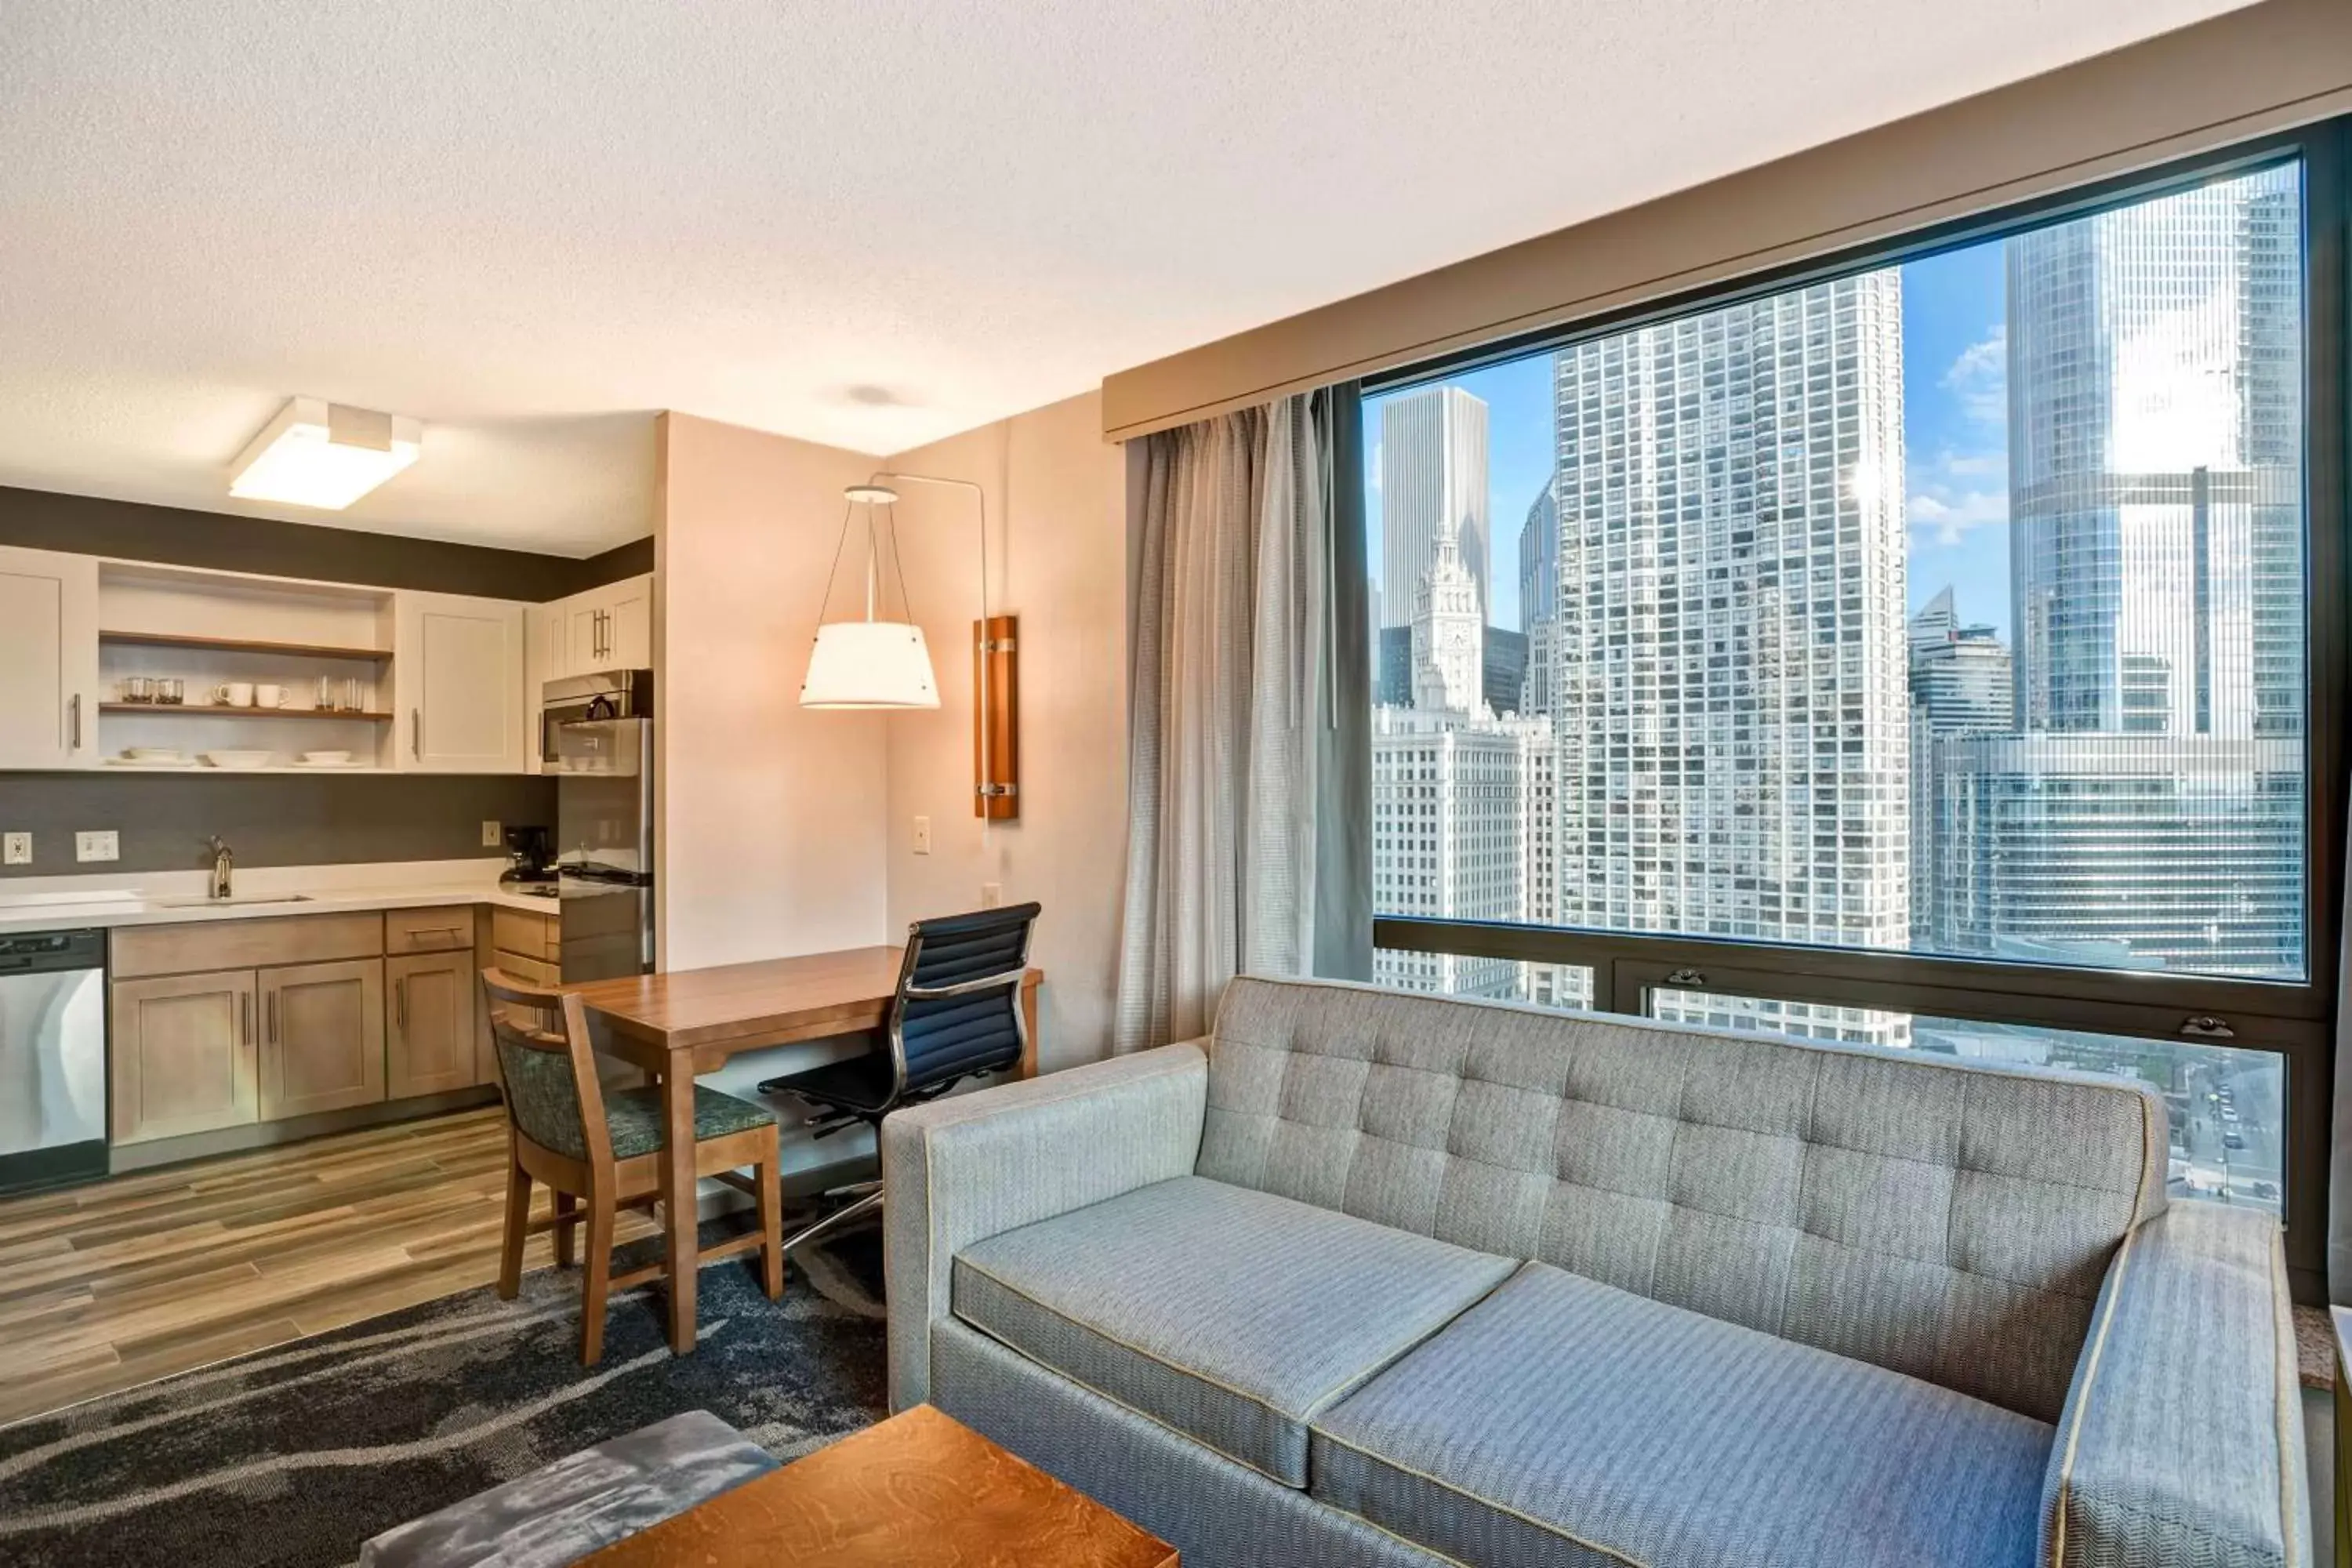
(271, 819)
(44, 520)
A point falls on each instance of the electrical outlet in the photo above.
(991, 895)
(922, 836)
(490, 840)
(97, 845)
(16, 849)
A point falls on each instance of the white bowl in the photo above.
(153, 753)
(326, 759)
(239, 759)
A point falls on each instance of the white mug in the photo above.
(269, 697)
(236, 694)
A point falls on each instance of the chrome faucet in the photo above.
(222, 866)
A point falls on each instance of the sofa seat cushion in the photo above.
(1230, 1315)
(1564, 1421)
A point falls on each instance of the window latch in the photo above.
(1685, 977)
(2205, 1026)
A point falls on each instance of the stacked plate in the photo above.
(153, 757)
(245, 759)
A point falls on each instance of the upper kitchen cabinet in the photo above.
(49, 659)
(458, 669)
(611, 627)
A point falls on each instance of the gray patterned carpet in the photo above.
(294, 1455)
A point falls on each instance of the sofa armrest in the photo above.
(2181, 1441)
(961, 1170)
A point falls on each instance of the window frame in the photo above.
(2296, 1019)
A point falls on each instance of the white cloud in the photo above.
(1947, 520)
(1978, 378)
(1971, 464)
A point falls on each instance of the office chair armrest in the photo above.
(961, 1170)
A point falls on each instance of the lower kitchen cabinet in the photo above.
(430, 1045)
(322, 1037)
(184, 1055)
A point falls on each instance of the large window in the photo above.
(1933, 634)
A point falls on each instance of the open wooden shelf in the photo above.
(243, 644)
(211, 710)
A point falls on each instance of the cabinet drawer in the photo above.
(522, 932)
(447, 928)
(531, 971)
(244, 944)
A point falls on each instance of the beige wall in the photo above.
(770, 819)
(784, 831)
(1057, 558)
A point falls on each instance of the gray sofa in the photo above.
(1375, 1279)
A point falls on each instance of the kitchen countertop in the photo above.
(177, 898)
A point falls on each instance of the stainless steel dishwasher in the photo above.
(52, 1058)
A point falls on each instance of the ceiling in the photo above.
(868, 224)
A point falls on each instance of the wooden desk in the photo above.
(688, 1021)
(920, 1490)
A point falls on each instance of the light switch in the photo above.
(922, 836)
(490, 835)
(97, 845)
(16, 849)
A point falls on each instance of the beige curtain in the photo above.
(1229, 641)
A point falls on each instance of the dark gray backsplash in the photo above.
(271, 819)
(87, 525)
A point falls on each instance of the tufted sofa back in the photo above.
(1946, 1221)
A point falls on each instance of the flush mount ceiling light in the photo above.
(323, 455)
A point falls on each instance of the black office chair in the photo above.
(956, 1014)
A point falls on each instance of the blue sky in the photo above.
(1955, 441)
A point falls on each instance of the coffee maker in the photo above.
(530, 860)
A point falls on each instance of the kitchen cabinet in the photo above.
(611, 627)
(321, 1036)
(49, 659)
(429, 1044)
(183, 1054)
(457, 668)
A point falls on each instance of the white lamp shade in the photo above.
(869, 664)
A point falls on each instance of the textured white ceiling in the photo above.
(863, 222)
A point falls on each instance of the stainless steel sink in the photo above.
(201, 903)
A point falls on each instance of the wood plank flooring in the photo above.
(114, 1284)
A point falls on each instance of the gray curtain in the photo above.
(1229, 648)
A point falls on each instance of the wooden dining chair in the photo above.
(599, 1154)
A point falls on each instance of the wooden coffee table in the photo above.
(919, 1491)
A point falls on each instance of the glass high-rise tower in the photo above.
(2149, 810)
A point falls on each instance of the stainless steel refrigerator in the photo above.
(597, 739)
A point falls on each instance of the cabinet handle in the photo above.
(271, 1029)
(416, 732)
(73, 709)
(244, 1016)
(400, 1005)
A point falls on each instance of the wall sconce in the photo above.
(882, 664)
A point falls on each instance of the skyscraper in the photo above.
(2154, 465)
(1449, 644)
(1961, 684)
(1730, 654)
(1451, 829)
(2151, 811)
(1432, 478)
(1539, 590)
